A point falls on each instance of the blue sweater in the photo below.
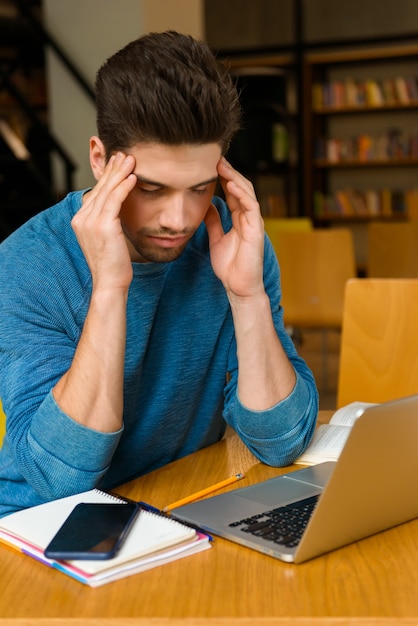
(180, 346)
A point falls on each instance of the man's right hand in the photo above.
(98, 228)
(91, 391)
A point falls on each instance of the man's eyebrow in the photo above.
(155, 183)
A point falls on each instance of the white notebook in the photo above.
(153, 540)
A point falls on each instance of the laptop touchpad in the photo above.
(278, 491)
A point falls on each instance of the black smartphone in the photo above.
(93, 531)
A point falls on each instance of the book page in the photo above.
(326, 445)
(347, 415)
(329, 439)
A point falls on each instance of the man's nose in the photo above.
(174, 214)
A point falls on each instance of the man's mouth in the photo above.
(169, 242)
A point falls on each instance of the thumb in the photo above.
(213, 224)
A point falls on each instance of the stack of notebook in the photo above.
(153, 540)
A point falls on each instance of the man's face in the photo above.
(174, 190)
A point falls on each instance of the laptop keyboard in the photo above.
(284, 525)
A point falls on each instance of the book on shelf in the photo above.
(344, 203)
(392, 145)
(401, 90)
(386, 202)
(412, 88)
(372, 201)
(154, 539)
(352, 93)
(329, 439)
(411, 202)
(274, 205)
(364, 147)
(389, 93)
(402, 203)
(374, 93)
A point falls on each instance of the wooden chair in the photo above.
(392, 250)
(315, 267)
(272, 225)
(379, 342)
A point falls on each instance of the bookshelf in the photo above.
(358, 122)
(266, 148)
(362, 133)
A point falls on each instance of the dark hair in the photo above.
(167, 88)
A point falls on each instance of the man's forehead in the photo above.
(176, 166)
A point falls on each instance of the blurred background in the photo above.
(330, 98)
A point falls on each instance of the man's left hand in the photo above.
(237, 256)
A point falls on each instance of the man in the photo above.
(139, 317)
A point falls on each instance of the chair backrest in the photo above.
(273, 225)
(314, 266)
(392, 249)
(379, 340)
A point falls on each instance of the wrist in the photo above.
(107, 295)
(251, 305)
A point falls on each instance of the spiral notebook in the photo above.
(153, 540)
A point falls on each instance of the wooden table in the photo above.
(374, 581)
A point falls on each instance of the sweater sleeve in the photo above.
(54, 454)
(55, 471)
(39, 331)
(280, 434)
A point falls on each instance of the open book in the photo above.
(153, 540)
(329, 439)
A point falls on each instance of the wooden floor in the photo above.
(324, 364)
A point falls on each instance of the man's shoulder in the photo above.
(43, 239)
(51, 223)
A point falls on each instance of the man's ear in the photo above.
(97, 157)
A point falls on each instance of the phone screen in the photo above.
(93, 531)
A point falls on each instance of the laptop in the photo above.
(370, 488)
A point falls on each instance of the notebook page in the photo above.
(38, 524)
(150, 532)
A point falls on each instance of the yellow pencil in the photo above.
(204, 492)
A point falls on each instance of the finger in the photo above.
(117, 169)
(239, 199)
(227, 172)
(113, 187)
(239, 193)
(245, 210)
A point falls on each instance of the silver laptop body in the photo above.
(369, 489)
